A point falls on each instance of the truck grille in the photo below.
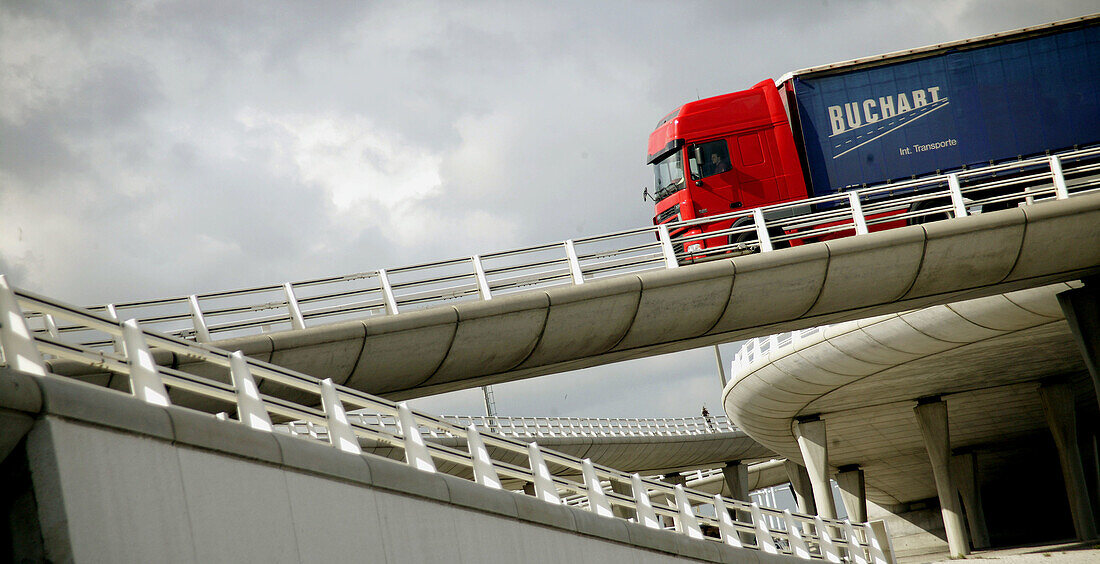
(664, 216)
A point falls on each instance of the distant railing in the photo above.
(296, 305)
(755, 349)
(692, 513)
(543, 427)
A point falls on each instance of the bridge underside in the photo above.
(627, 317)
(985, 358)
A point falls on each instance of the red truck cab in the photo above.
(739, 151)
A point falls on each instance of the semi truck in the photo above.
(876, 120)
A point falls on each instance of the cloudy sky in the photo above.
(161, 148)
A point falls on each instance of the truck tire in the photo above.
(928, 204)
(751, 238)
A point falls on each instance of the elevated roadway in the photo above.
(632, 316)
(647, 446)
(854, 389)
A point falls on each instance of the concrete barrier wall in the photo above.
(117, 480)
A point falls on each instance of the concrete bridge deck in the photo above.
(564, 328)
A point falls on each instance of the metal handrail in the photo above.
(395, 424)
(396, 290)
(542, 427)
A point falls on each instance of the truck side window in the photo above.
(708, 159)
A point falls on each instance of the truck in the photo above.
(872, 121)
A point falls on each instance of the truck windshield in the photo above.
(668, 175)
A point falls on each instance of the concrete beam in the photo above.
(932, 420)
(814, 445)
(1059, 405)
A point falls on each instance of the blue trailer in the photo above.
(949, 106)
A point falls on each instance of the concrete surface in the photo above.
(986, 358)
(1062, 553)
(118, 480)
(570, 327)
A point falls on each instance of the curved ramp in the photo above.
(633, 316)
(985, 357)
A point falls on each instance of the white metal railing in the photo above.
(294, 305)
(542, 427)
(755, 348)
(693, 513)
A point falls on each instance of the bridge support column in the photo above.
(853, 490)
(932, 420)
(736, 476)
(1059, 405)
(1081, 307)
(815, 453)
(676, 480)
(628, 491)
(963, 470)
(800, 485)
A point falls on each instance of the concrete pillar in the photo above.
(622, 489)
(800, 485)
(815, 453)
(853, 490)
(963, 470)
(1059, 405)
(676, 480)
(932, 420)
(1081, 307)
(736, 476)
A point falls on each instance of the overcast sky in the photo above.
(153, 149)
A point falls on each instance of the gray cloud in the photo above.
(164, 148)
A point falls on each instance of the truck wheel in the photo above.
(751, 238)
(929, 217)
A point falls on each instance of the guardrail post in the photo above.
(957, 203)
(794, 537)
(16, 341)
(687, 523)
(856, 552)
(202, 335)
(874, 547)
(666, 246)
(725, 523)
(340, 433)
(482, 282)
(296, 319)
(597, 499)
(387, 292)
(484, 473)
(1060, 190)
(114, 317)
(761, 230)
(145, 382)
(574, 262)
(643, 506)
(250, 407)
(544, 482)
(764, 540)
(51, 325)
(828, 548)
(857, 213)
(416, 451)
